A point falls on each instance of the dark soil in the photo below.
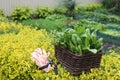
(109, 45)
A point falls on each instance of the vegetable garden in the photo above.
(25, 31)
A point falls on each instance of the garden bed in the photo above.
(108, 46)
(18, 41)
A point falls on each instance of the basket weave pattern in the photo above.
(76, 64)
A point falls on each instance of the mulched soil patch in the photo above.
(109, 45)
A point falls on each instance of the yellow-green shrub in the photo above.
(109, 69)
(9, 27)
(21, 13)
(88, 7)
(42, 12)
(60, 10)
(3, 19)
(16, 64)
(15, 49)
(2, 12)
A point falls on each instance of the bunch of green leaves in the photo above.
(100, 17)
(102, 10)
(57, 17)
(113, 26)
(42, 12)
(111, 34)
(88, 7)
(2, 12)
(89, 24)
(60, 10)
(21, 13)
(79, 40)
(9, 27)
(3, 19)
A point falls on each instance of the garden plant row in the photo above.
(110, 22)
(111, 34)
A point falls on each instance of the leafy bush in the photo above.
(3, 19)
(102, 10)
(112, 33)
(9, 27)
(79, 40)
(66, 7)
(109, 67)
(57, 17)
(115, 27)
(70, 5)
(60, 10)
(98, 17)
(89, 24)
(42, 12)
(112, 5)
(45, 24)
(1, 13)
(117, 50)
(21, 13)
(16, 63)
(88, 7)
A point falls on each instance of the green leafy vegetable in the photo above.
(79, 40)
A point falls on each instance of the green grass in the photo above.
(45, 24)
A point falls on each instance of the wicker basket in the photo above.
(76, 64)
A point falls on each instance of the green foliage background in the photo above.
(2, 12)
(42, 12)
(21, 13)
